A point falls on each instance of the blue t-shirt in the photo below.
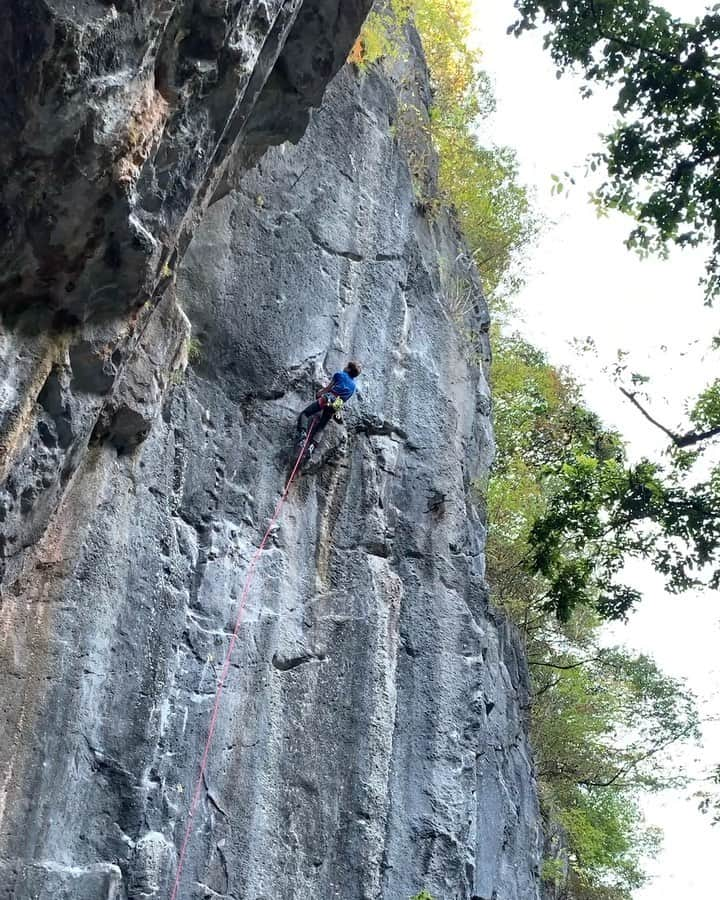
(343, 386)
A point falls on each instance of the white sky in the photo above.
(583, 282)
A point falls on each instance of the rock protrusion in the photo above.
(119, 121)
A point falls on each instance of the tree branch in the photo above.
(633, 399)
(583, 662)
(693, 437)
(680, 440)
(634, 763)
(630, 45)
(547, 687)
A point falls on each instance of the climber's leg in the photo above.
(326, 413)
(311, 410)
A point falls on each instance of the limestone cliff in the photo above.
(372, 736)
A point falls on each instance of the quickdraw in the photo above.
(336, 403)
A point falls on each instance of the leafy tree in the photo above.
(601, 512)
(603, 720)
(710, 799)
(562, 485)
(602, 729)
(663, 156)
(662, 162)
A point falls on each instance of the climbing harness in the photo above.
(333, 401)
(226, 665)
(337, 403)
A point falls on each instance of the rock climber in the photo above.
(330, 401)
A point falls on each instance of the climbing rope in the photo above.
(226, 665)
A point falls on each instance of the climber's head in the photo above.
(353, 369)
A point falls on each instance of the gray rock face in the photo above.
(372, 739)
(117, 121)
(118, 124)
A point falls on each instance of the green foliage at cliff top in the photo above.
(477, 178)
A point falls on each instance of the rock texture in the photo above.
(372, 737)
(118, 121)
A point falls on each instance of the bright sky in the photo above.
(583, 282)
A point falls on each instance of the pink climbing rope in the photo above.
(226, 664)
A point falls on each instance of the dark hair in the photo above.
(353, 369)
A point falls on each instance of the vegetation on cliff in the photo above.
(604, 721)
(659, 166)
(477, 178)
(566, 507)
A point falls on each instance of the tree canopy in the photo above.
(663, 157)
(603, 719)
(563, 484)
